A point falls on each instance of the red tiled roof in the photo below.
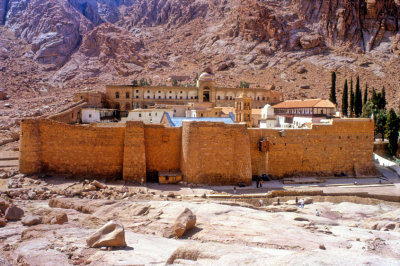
(319, 103)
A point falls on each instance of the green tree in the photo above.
(392, 128)
(368, 109)
(374, 97)
(175, 83)
(135, 83)
(351, 98)
(332, 96)
(345, 99)
(365, 100)
(244, 84)
(358, 99)
(383, 98)
(380, 122)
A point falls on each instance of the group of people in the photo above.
(301, 203)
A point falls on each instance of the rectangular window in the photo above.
(219, 98)
(137, 91)
(137, 96)
(117, 95)
(140, 115)
(127, 95)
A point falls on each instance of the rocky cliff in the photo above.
(294, 44)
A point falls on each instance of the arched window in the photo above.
(117, 95)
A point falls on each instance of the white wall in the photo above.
(90, 116)
(267, 123)
(149, 116)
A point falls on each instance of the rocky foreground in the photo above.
(49, 221)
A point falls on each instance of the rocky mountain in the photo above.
(64, 45)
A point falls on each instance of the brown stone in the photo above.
(14, 213)
(112, 234)
(3, 222)
(4, 205)
(60, 218)
(185, 221)
(31, 220)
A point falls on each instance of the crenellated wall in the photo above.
(205, 152)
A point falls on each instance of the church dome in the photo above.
(206, 77)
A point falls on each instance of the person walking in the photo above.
(261, 181)
(317, 212)
(297, 202)
(142, 182)
(279, 201)
(302, 203)
(234, 190)
(261, 202)
(257, 181)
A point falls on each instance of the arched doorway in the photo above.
(206, 94)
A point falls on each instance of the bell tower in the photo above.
(243, 106)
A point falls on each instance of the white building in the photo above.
(298, 113)
(96, 115)
(147, 116)
(267, 117)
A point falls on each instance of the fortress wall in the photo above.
(344, 146)
(30, 161)
(134, 166)
(215, 153)
(163, 148)
(81, 150)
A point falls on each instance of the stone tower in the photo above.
(243, 106)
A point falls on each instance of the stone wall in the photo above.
(71, 115)
(134, 167)
(208, 153)
(322, 150)
(49, 146)
(163, 148)
(215, 153)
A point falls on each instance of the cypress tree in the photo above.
(332, 96)
(365, 94)
(345, 99)
(351, 98)
(374, 97)
(358, 99)
(392, 128)
(383, 98)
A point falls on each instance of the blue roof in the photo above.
(177, 121)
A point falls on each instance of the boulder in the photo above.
(98, 184)
(4, 205)
(112, 234)
(308, 200)
(311, 41)
(185, 221)
(14, 213)
(31, 220)
(60, 218)
(3, 222)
